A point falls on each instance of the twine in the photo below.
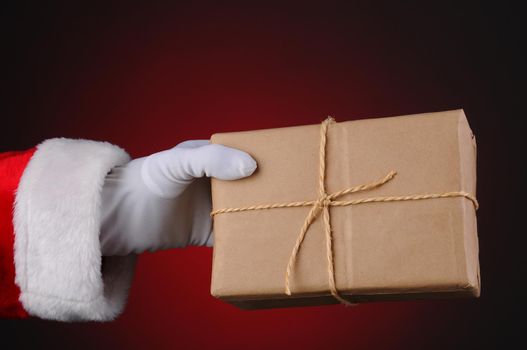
(326, 200)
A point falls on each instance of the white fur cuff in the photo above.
(57, 217)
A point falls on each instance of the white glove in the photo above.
(163, 201)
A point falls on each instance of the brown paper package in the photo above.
(382, 251)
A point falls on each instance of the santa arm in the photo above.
(67, 202)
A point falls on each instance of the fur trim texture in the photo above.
(58, 262)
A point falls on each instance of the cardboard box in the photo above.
(419, 248)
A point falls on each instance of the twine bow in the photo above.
(326, 200)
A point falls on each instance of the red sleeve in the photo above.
(12, 165)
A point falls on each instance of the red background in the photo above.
(148, 77)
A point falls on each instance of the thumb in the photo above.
(169, 172)
(213, 160)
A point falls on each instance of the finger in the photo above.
(213, 160)
(193, 143)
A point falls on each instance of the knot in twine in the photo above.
(326, 200)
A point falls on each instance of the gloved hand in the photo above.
(163, 200)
